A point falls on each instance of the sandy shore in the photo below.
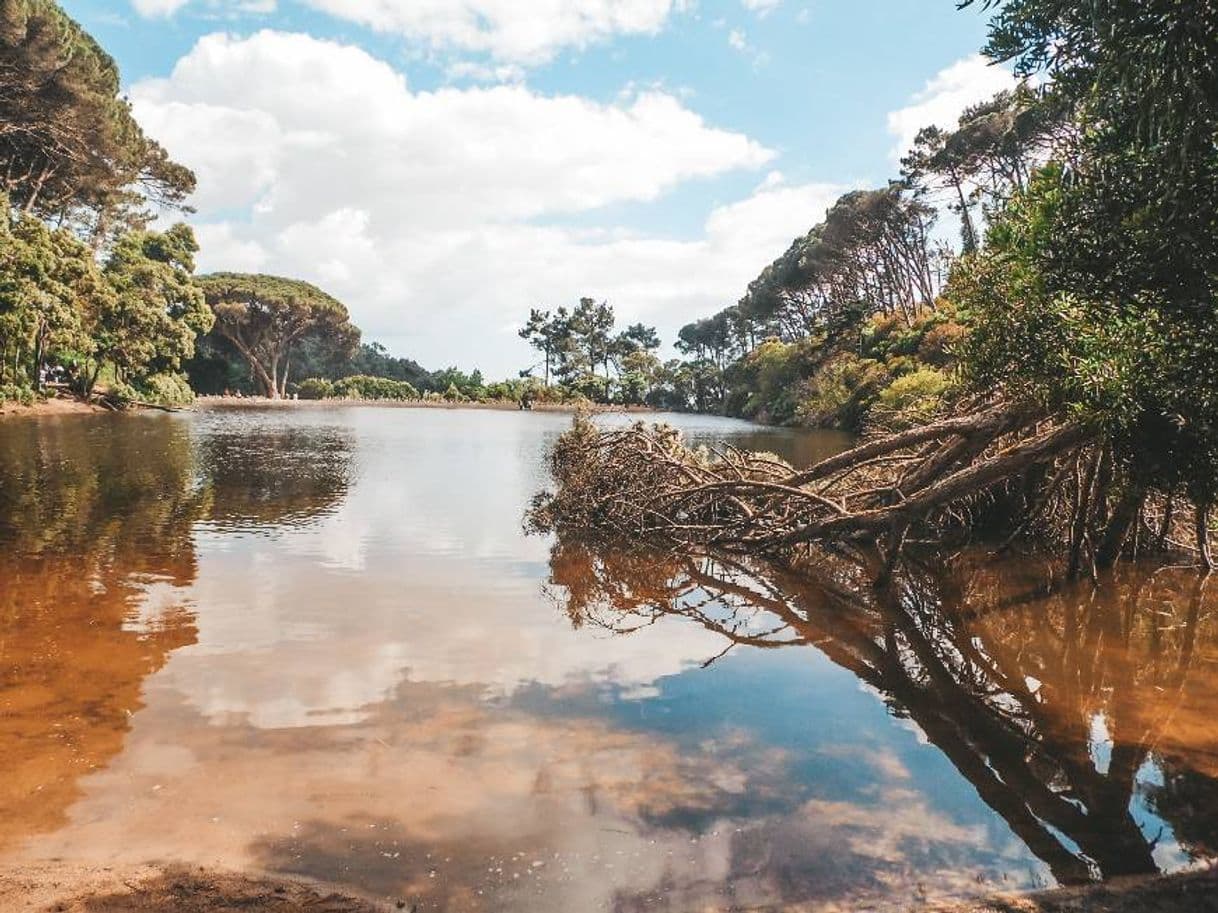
(68, 406)
(54, 888)
(170, 889)
(58, 406)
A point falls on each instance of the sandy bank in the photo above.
(170, 889)
(55, 888)
(58, 406)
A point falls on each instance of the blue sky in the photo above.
(443, 165)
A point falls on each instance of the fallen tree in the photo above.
(1084, 412)
(996, 469)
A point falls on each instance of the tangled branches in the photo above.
(996, 467)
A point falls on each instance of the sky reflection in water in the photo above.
(318, 642)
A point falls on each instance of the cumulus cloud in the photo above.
(439, 216)
(945, 96)
(507, 29)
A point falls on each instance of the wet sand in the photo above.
(169, 889)
(178, 889)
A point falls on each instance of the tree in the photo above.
(266, 318)
(590, 327)
(70, 148)
(548, 334)
(47, 281)
(148, 323)
(989, 155)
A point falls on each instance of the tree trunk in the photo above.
(1121, 522)
(1203, 536)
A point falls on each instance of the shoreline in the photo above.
(160, 887)
(251, 402)
(62, 405)
(58, 405)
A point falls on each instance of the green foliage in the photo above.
(16, 393)
(148, 324)
(315, 388)
(166, 389)
(580, 350)
(373, 388)
(839, 393)
(911, 399)
(48, 280)
(71, 150)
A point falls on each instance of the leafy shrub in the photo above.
(839, 393)
(315, 388)
(941, 343)
(166, 389)
(16, 393)
(362, 386)
(911, 399)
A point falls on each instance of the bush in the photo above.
(16, 393)
(315, 388)
(941, 344)
(168, 389)
(839, 393)
(911, 399)
(362, 386)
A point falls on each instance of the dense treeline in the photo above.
(856, 322)
(852, 322)
(85, 287)
(1082, 408)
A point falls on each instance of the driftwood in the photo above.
(997, 465)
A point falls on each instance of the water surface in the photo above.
(318, 642)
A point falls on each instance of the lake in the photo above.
(318, 642)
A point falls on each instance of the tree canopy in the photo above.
(70, 148)
(267, 318)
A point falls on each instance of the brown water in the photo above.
(317, 642)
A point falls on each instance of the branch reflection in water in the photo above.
(1084, 716)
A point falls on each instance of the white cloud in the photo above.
(945, 96)
(432, 213)
(507, 29)
(155, 8)
(738, 41)
(761, 7)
